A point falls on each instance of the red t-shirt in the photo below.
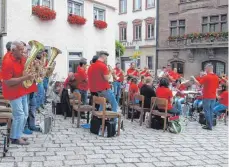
(133, 89)
(144, 73)
(119, 74)
(166, 93)
(67, 82)
(99, 69)
(13, 68)
(210, 83)
(140, 85)
(224, 98)
(175, 76)
(181, 88)
(82, 79)
(132, 72)
(198, 78)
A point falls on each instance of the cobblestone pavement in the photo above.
(136, 147)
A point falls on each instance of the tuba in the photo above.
(36, 47)
(51, 64)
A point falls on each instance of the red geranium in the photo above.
(44, 13)
(75, 19)
(100, 24)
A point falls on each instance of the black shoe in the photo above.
(206, 127)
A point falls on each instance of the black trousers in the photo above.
(91, 100)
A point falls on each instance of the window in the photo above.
(218, 66)
(137, 4)
(47, 3)
(150, 4)
(149, 62)
(150, 31)
(137, 32)
(216, 23)
(99, 14)
(123, 36)
(177, 27)
(75, 8)
(123, 6)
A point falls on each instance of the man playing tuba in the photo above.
(13, 90)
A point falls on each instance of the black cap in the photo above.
(83, 61)
(8, 46)
(94, 59)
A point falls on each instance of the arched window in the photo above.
(219, 66)
(179, 65)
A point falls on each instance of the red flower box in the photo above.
(100, 24)
(44, 13)
(75, 19)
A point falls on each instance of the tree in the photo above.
(119, 49)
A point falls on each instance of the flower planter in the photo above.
(74, 19)
(195, 37)
(44, 13)
(100, 24)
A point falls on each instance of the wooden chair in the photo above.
(105, 114)
(160, 103)
(138, 107)
(79, 108)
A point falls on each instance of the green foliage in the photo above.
(119, 49)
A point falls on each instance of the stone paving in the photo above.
(136, 147)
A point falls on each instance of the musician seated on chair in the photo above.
(133, 89)
(132, 71)
(13, 90)
(148, 92)
(145, 72)
(222, 103)
(142, 82)
(180, 96)
(163, 91)
(71, 82)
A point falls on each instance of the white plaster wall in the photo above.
(23, 26)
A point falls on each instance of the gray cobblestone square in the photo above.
(136, 147)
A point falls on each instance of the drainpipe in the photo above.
(2, 25)
(157, 35)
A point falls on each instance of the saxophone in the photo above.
(51, 64)
(30, 67)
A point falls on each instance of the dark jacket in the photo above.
(148, 92)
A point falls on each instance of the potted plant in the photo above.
(75, 19)
(44, 13)
(100, 24)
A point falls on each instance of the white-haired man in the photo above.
(13, 90)
(210, 84)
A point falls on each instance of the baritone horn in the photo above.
(36, 47)
(51, 64)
